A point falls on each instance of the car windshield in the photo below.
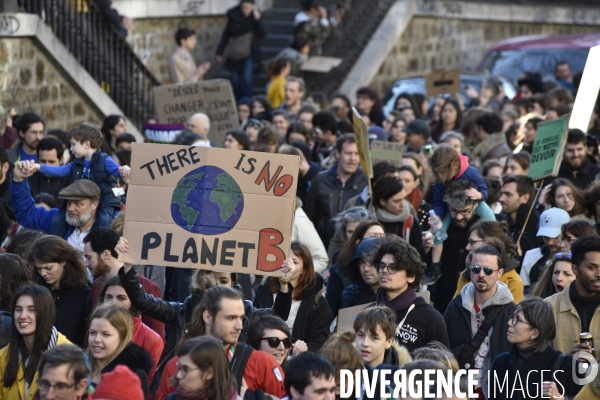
(512, 63)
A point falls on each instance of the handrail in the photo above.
(99, 47)
(347, 41)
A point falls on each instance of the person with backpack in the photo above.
(13, 272)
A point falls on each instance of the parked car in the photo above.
(540, 53)
(417, 85)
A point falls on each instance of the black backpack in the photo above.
(239, 361)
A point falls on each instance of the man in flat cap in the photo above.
(72, 221)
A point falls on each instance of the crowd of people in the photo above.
(458, 259)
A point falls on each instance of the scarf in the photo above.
(415, 198)
(201, 394)
(387, 217)
(51, 344)
(402, 302)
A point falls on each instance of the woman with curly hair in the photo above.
(564, 195)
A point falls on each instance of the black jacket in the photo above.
(238, 25)
(507, 364)
(313, 318)
(458, 323)
(529, 239)
(336, 284)
(46, 184)
(328, 197)
(73, 307)
(137, 360)
(415, 239)
(453, 263)
(305, 182)
(357, 294)
(582, 178)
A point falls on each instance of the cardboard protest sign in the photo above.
(386, 151)
(442, 81)
(320, 64)
(175, 104)
(161, 133)
(346, 317)
(209, 208)
(361, 133)
(548, 148)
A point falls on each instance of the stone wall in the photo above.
(157, 37)
(430, 42)
(29, 81)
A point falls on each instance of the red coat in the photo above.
(150, 288)
(149, 340)
(259, 374)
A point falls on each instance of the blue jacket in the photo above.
(465, 172)
(100, 176)
(48, 221)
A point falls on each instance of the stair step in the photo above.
(280, 14)
(286, 4)
(278, 41)
(279, 27)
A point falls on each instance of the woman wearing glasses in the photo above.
(542, 371)
(203, 372)
(109, 345)
(271, 334)
(480, 233)
(308, 315)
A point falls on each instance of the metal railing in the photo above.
(347, 41)
(548, 3)
(99, 47)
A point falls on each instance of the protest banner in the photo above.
(386, 151)
(161, 133)
(209, 208)
(175, 104)
(442, 82)
(587, 92)
(548, 148)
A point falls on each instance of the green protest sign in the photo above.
(548, 148)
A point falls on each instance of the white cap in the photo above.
(551, 221)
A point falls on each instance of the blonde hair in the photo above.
(436, 351)
(118, 223)
(120, 319)
(341, 353)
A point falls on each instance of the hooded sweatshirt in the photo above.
(422, 325)
(464, 172)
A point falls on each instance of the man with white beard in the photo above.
(72, 221)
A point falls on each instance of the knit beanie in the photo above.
(119, 384)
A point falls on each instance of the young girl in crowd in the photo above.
(279, 70)
(114, 293)
(309, 317)
(109, 345)
(59, 267)
(556, 278)
(203, 372)
(31, 335)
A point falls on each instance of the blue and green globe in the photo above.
(207, 201)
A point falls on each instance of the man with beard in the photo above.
(102, 260)
(575, 309)
(462, 212)
(576, 166)
(482, 298)
(71, 222)
(30, 128)
(50, 151)
(515, 196)
(534, 261)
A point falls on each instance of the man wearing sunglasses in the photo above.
(465, 315)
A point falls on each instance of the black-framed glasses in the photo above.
(60, 388)
(274, 342)
(184, 369)
(476, 269)
(464, 213)
(392, 268)
(515, 319)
